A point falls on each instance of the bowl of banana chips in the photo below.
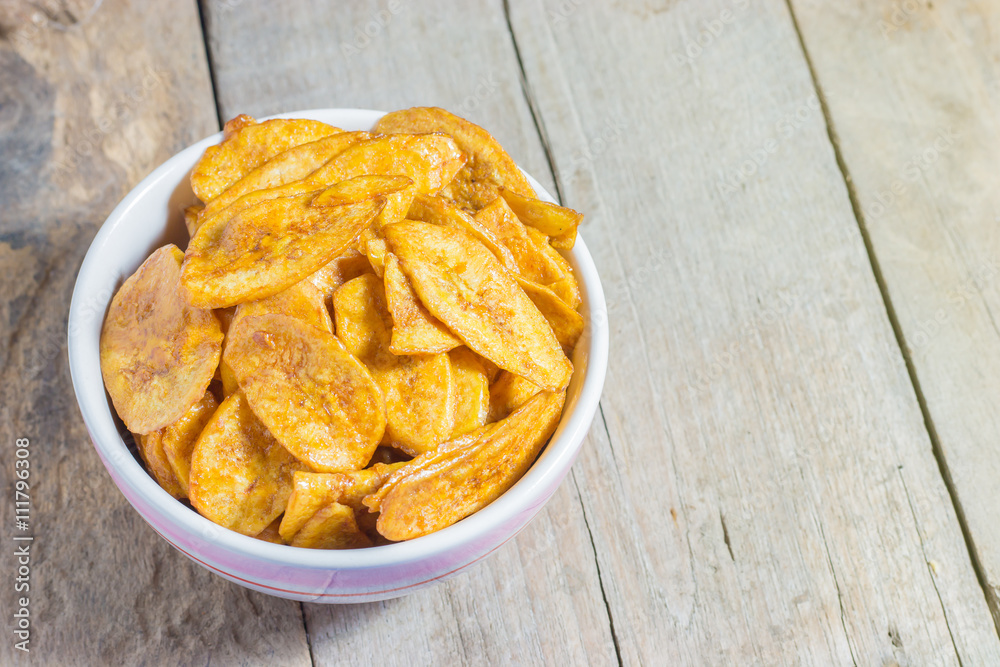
(338, 355)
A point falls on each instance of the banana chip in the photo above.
(462, 284)
(566, 323)
(241, 476)
(295, 164)
(177, 440)
(429, 160)
(158, 353)
(472, 391)
(440, 211)
(375, 249)
(150, 448)
(398, 192)
(418, 390)
(414, 330)
(219, 216)
(270, 534)
(508, 393)
(439, 488)
(301, 301)
(317, 399)
(558, 222)
(489, 165)
(333, 527)
(269, 247)
(248, 145)
(191, 214)
(338, 271)
(566, 286)
(531, 261)
(311, 491)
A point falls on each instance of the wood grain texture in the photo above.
(774, 497)
(920, 136)
(92, 98)
(538, 599)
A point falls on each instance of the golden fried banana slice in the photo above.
(158, 352)
(333, 527)
(270, 534)
(508, 393)
(237, 123)
(150, 448)
(566, 287)
(558, 222)
(177, 440)
(418, 390)
(338, 271)
(566, 323)
(315, 397)
(462, 284)
(429, 160)
(375, 249)
(211, 215)
(398, 192)
(414, 330)
(269, 247)
(241, 476)
(301, 301)
(191, 214)
(246, 147)
(229, 382)
(440, 488)
(472, 391)
(488, 166)
(440, 211)
(532, 262)
(295, 164)
(311, 491)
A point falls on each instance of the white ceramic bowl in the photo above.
(150, 216)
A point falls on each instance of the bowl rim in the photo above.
(520, 498)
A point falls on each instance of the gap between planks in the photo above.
(543, 138)
(210, 61)
(898, 333)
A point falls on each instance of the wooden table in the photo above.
(794, 209)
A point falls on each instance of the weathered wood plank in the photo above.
(538, 599)
(776, 498)
(91, 100)
(920, 136)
